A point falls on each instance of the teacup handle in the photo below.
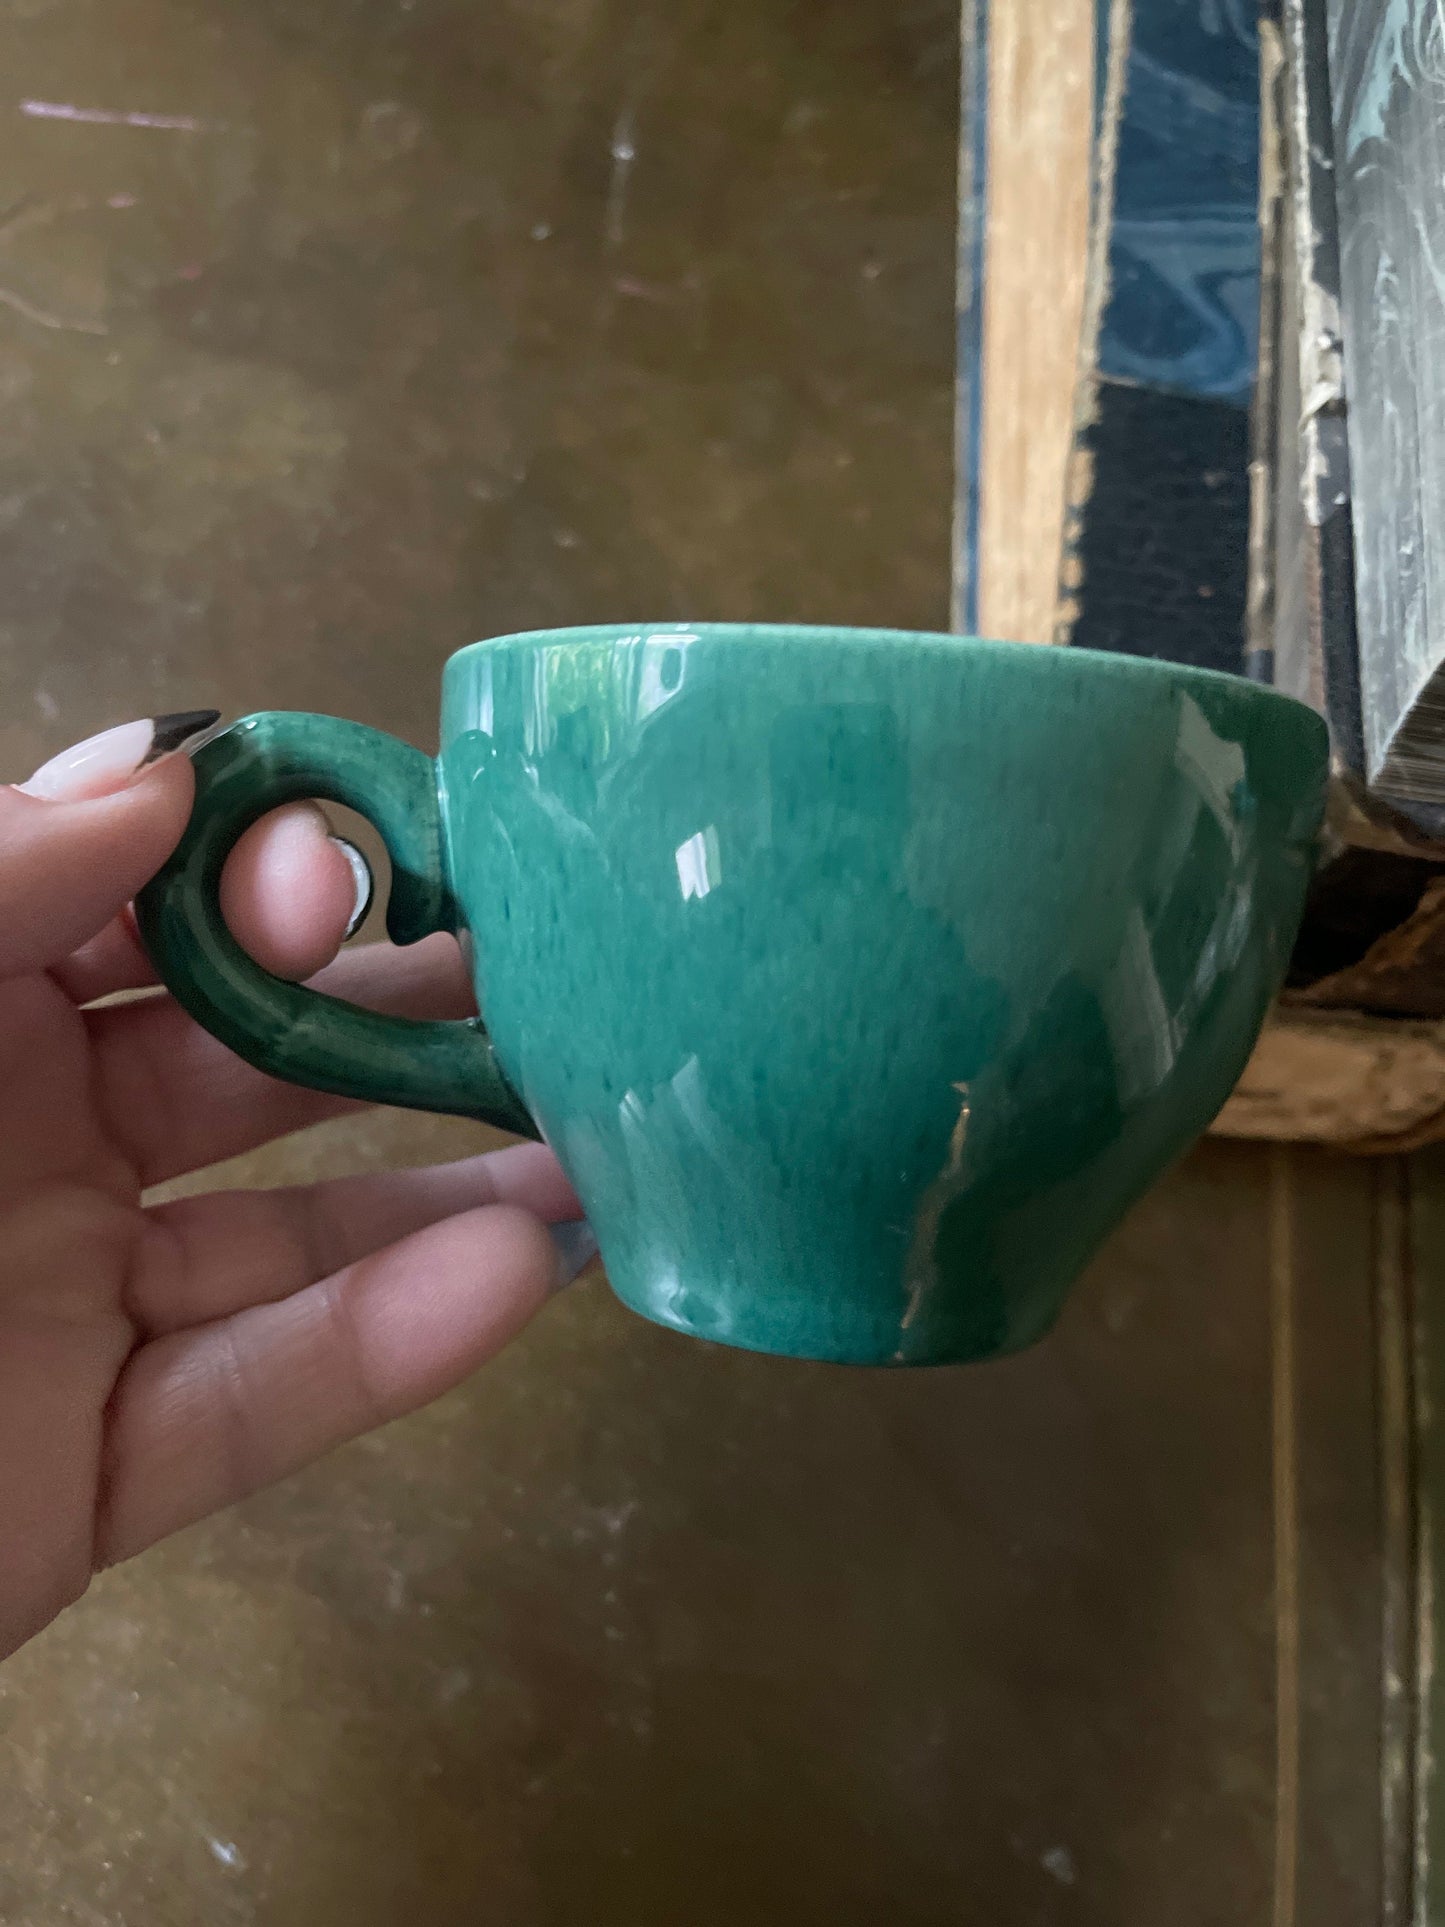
(293, 1033)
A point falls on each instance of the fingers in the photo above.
(204, 1258)
(174, 1100)
(113, 960)
(201, 1418)
(68, 868)
(289, 892)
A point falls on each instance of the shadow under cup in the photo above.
(861, 980)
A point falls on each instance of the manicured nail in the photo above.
(576, 1246)
(104, 764)
(363, 879)
(174, 731)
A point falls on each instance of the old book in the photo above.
(1108, 305)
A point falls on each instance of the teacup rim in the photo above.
(830, 635)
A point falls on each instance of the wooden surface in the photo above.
(1039, 107)
(1424, 1738)
(1338, 1333)
(1343, 1079)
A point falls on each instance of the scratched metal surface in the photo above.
(1387, 78)
(1308, 645)
(431, 320)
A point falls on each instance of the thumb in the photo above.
(86, 832)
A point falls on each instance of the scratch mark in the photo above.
(44, 318)
(623, 149)
(112, 117)
(20, 218)
(635, 290)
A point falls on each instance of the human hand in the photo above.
(159, 1361)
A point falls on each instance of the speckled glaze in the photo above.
(860, 980)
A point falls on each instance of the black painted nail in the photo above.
(174, 730)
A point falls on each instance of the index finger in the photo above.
(290, 895)
(68, 869)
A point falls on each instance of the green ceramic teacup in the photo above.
(861, 981)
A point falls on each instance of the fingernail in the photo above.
(576, 1246)
(104, 764)
(363, 879)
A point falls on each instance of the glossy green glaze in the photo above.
(860, 980)
(288, 1030)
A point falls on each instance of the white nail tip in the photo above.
(362, 878)
(96, 767)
